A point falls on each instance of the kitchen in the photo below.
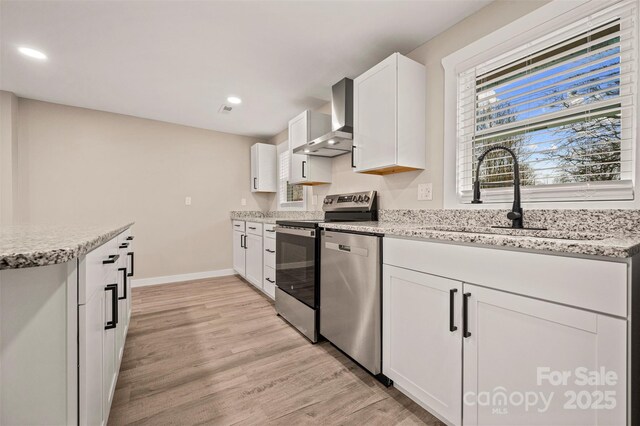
(208, 214)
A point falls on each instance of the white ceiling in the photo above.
(178, 61)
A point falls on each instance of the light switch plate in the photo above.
(187, 201)
(425, 192)
(243, 201)
(314, 200)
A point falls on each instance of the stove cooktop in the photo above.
(352, 207)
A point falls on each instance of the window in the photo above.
(288, 195)
(564, 103)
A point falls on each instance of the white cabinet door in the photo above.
(375, 116)
(421, 339)
(298, 173)
(123, 294)
(254, 259)
(389, 117)
(254, 168)
(91, 331)
(263, 168)
(298, 130)
(110, 344)
(522, 347)
(239, 252)
(305, 169)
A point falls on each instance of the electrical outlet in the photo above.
(243, 201)
(425, 192)
(187, 201)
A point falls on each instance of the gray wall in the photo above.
(83, 166)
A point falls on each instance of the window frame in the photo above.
(508, 42)
(287, 205)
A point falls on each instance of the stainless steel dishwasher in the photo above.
(351, 297)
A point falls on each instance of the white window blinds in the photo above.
(564, 104)
(287, 193)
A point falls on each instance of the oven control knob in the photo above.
(359, 199)
(366, 198)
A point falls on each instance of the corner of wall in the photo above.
(8, 155)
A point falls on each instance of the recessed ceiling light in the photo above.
(234, 100)
(332, 142)
(32, 53)
(306, 150)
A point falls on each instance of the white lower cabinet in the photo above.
(254, 248)
(253, 245)
(476, 355)
(91, 317)
(104, 276)
(522, 346)
(422, 339)
(239, 253)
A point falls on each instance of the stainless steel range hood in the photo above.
(339, 140)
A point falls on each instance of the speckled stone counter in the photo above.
(608, 233)
(273, 216)
(25, 246)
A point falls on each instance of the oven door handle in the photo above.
(298, 232)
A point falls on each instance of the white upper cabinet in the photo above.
(305, 169)
(389, 117)
(263, 168)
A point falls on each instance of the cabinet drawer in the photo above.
(238, 225)
(270, 252)
(270, 230)
(254, 228)
(596, 285)
(269, 285)
(94, 275)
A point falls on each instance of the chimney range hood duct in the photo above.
(339, 140)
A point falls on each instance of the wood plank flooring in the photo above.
(214, 352)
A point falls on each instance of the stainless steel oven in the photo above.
(297, 276)
(298, 258)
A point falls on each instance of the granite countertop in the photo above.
(613, 233)
(25, 246)
(559, 241)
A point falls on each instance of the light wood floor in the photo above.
(214, 352)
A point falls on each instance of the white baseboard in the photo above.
(167, 279)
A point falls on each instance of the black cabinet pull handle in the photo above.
(242, 240)
(237, 226)
(270, 230)
(465, 315)
(112, 259)
(245, 242)
(124, 282)
(303, 163)
(130, 237)
(254, 183)
(113, 288)
(270, 251)
(130, 274)
(252, 227)
(270, 280)
(452, 295)
(353, 154)
(124, 245)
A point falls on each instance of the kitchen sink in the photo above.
(526, 232)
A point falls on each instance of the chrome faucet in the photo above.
(516, 213)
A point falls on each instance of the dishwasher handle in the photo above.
(347, 249)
